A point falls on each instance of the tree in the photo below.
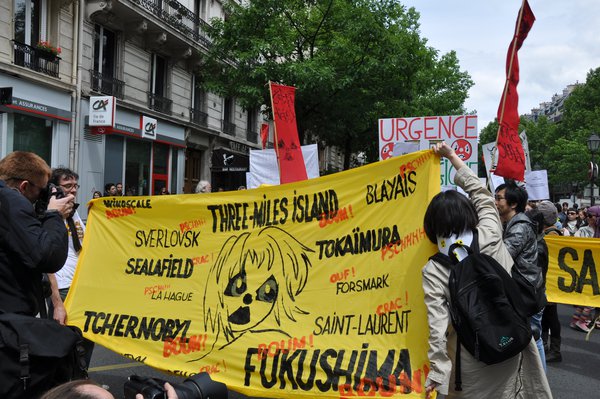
(352, 62)
(561, 148)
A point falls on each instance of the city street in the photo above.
(576, 376)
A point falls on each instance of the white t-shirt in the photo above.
(64, 276)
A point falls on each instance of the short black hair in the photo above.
(62, 173)
(449, 212)
(514, 195)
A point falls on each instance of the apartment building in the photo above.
(145, 54)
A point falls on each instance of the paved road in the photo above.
(577, 376)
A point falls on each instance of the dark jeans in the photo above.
(550, 321)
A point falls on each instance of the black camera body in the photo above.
(41, 205)
(198, 386)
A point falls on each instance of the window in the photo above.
(104, 51)
(31, 134)
(198, 113)
(105, 63)
(158, 78)
(228, 114)
(157, 97)
(30, 17)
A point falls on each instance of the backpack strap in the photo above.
(24, 363)
(457, 373)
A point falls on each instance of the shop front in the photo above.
(229, 166)
(35, 118)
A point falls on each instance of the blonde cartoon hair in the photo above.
(277, 253)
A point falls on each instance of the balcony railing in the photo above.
(106, 84)
(229, 128)
(179, 17)
(159, 103)
(198, 117)
(252, 136)
(36, 59)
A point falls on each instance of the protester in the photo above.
(592, 229)
(203, 187)
(523, 372)
(164, 191)
(562, 215)
(110, 190)
(97, 194)
(521, 240)
(119, 187)
(60, 282)
(572, 224)
(29, 245)
(550, 322)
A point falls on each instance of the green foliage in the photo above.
(561, 148)
(352, 62)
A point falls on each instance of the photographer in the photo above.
(87, 389)
(30, 244)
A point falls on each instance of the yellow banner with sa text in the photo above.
(572, 273)
(293, 290)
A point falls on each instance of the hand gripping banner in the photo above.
(310, 288)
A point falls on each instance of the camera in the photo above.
(198, 386)
(44, 199)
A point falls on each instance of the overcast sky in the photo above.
(562, 46)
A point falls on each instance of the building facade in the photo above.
(144, 53)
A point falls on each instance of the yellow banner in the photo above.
(572, 273)
(294, 290)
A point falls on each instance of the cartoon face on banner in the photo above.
(463, 149)
(256, 275)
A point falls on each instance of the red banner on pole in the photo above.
(287, 143)
(264, 134)
(511, 158)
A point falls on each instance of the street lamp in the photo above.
(593, 144)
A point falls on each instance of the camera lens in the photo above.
(200, 386)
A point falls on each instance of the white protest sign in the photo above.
(536, 183)
(459, 131)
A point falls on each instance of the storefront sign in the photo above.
(102, 111)
(227, 161)
(149, 126)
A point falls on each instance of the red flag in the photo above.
(511, 158)
(287, 143)
(264, 134)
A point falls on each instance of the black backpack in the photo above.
(485, 308)
(37, 354)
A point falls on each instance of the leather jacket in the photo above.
(521, 240)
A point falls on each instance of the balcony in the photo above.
(178, 17)
(229, 128)
(160, 104)
(106, 85)
(251, 136)
(182, 33)
(36, 59)
(198, 117)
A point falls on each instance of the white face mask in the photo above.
(464, 238)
